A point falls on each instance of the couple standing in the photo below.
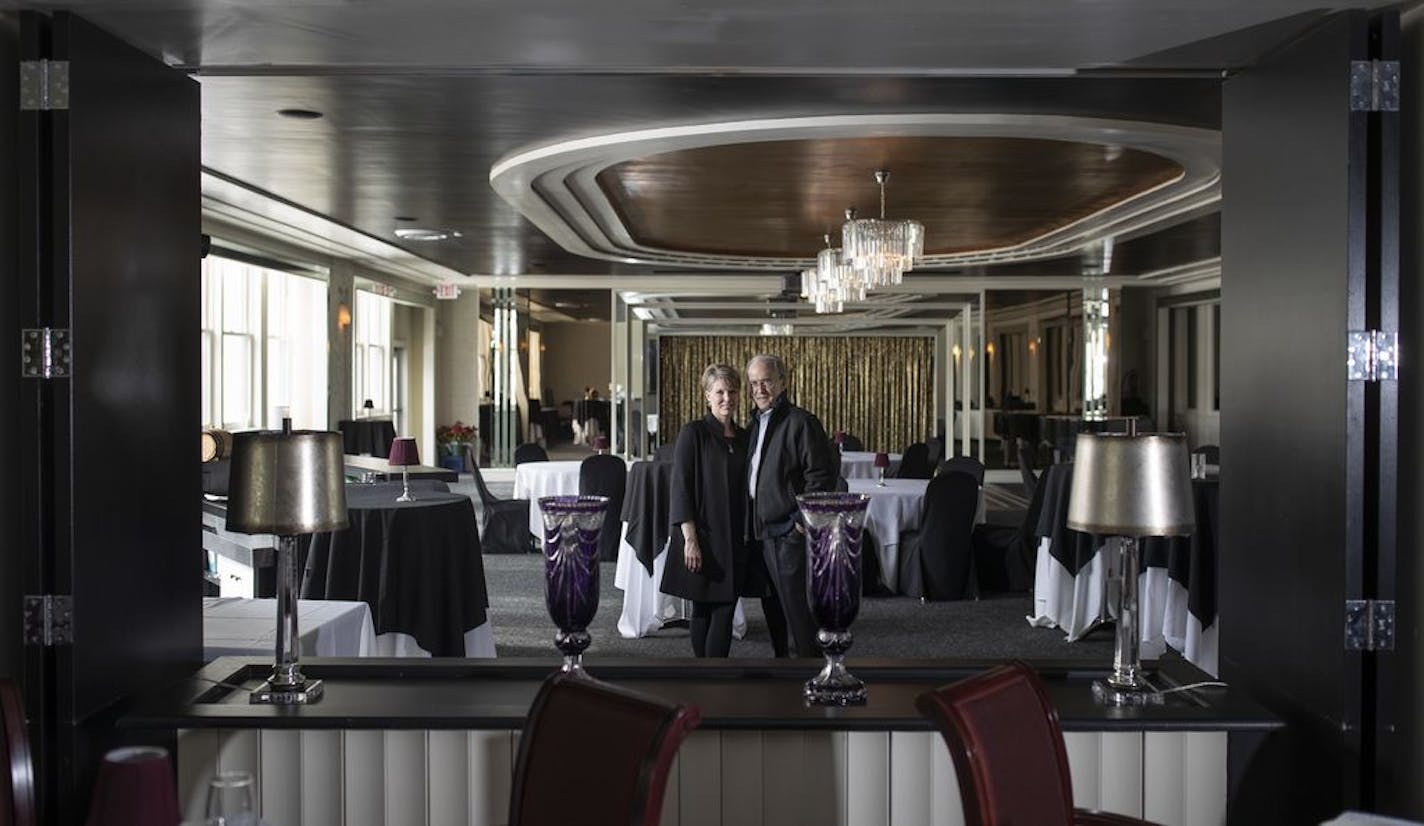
(736, 528)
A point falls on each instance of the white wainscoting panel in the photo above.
(733, 778)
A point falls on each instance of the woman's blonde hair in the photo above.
(721, 372)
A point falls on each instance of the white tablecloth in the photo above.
(645, 607)
(535, 479)
(893, 509)
(856, 464)
(1078, 604)
(235, 626)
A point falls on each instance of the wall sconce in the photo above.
(343, 317)
(955, 351)
(1032, 346)
(989, 348)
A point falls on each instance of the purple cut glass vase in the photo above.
(835, 523)
(572, 525)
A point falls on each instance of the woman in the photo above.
(709, 561)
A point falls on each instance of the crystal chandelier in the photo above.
(832, 282)
(882, 251)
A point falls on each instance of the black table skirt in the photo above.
(646, 509)
(417, 564)
(1190, 561)
(373, 436)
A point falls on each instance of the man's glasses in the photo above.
(763, 384)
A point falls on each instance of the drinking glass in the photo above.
(230, 800)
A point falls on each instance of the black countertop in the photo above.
(372, 693)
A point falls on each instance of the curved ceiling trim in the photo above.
(553, 185)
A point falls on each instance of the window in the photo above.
(372, 360)
(263, 345)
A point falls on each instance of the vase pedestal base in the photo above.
(834, 686)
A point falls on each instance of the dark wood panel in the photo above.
(778, 198)
(1291, 453)
(126, 161)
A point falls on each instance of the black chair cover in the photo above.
(915, 462)
(663, 453)
(963, 464)
(529, 452)
(605, 475)
(1026, 452)
(1211, 452)
(852, 443)
(506, 522)
(947, 537)
(936, 451)
(1004, 556)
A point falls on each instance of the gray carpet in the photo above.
(993, 627)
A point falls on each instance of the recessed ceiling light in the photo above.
(425, 234)
(299, 114)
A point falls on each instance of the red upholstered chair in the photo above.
(593, 753)
(1004, 737)
(17, 786)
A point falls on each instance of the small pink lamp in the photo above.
(403, 455)
(600, 444)
(882, 461)
(840, 438)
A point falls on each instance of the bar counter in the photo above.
(434, 741)
(734, 694)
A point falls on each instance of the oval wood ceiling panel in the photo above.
(778, 198)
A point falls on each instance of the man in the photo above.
(790, 455)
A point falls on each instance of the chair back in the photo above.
(605, 475)
(963, 464)
(595, 753)
(17, 787)
(1026, 453)
(915, 462)
(1004, 737)
(851, 442)
(529, 452)
(487, 497)
(947, 537)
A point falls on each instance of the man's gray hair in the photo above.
(774, 362)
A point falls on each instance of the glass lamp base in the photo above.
(1111, 694)
(303, 694)
(835, 686)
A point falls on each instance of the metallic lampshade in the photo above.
(1131, 485)
(286, 483)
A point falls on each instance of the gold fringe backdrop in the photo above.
(880, 389)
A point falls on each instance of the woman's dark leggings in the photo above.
(711, 628)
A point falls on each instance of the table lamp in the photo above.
(882, 461)
(1130, 486)
(403, 454)
(600, 444)
(287, 483)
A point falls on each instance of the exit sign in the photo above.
(447, 292)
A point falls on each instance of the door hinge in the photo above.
(1371, 355)
(1374, 86)
(44, 85)
(49, 620)
(1369, 625)
(44, 353)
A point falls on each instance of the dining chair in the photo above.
(592, 752)
(937, 561)
(1026, 456)
(1005, 555)
(915, 462)
(1004, 739)
(17, 787)
(529, 452)
(851, 442)
(506, 521)
(606, 475)
(963, 464)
